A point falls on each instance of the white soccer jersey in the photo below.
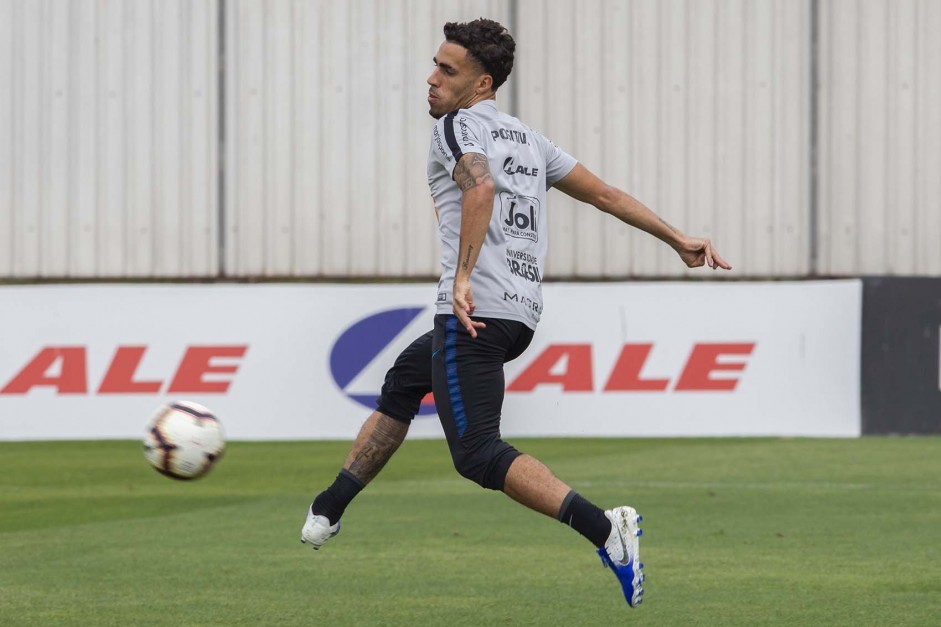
(507, 280)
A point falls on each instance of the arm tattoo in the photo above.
(381, 443)
(470, 249)
(472, 170)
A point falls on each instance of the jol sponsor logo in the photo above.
(359, 345)
(519, 216)
(64, 369)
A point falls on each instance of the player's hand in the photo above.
(463, 306)
(697, 251)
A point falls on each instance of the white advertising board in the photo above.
(277, 361)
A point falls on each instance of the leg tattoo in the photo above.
(377, 441)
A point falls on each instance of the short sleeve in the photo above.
(558, 163)
(455, 135)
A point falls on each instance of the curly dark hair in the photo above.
(488, 43)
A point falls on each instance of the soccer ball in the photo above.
(183, 440)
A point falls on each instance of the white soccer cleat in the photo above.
(317, 530)
(621, 553)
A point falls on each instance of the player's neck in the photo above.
(479, 98)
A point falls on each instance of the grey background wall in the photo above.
(250, 138)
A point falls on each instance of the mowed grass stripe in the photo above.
(737, 532)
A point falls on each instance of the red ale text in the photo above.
(569, 366)
(65, 369)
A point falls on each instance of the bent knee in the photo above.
(485, 465)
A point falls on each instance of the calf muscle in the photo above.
(379, 437)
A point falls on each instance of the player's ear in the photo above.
(484, 84)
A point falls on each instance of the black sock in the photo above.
(332, 502)
(586, 518)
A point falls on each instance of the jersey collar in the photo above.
(489, 103)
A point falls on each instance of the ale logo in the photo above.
(355, 362)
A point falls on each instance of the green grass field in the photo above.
(737, 532)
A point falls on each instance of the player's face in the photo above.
(454, 80)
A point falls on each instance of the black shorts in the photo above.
(469, 385)
(408, 381)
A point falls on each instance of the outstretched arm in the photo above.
(582, 185)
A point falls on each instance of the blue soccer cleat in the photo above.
(621, 553)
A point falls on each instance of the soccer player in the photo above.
(489, 173)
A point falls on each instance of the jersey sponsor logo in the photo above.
(465, 133)
(64, 369)
(522, 255)
(523, 265)
(440, 144)
(525, 301)
(360, 344)
(524, 270)
(519, 216)
(508, 134)
(510, 167)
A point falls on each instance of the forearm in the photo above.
(472, 175)
(631, 211)
(582, 185)
(476, 211)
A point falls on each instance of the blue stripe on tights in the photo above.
(450, 365)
